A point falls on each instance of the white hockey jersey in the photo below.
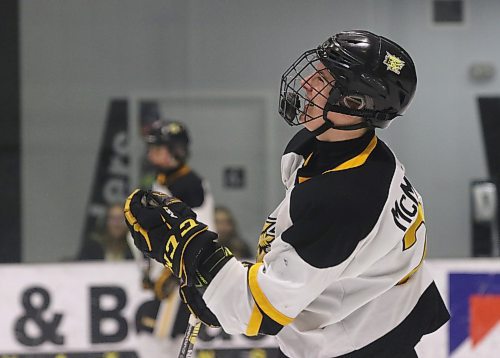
(343, 271)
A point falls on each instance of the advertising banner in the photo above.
(76, 310)
(471, 289)
(87, 310)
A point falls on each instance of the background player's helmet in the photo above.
(173, 135)
(374, 79)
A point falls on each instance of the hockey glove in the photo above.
(194, 300)
(166, 229)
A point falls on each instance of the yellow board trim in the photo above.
(261, 299)
(358, 160)
(133, 221)
(255, 322)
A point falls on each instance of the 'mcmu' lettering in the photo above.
(405, 210)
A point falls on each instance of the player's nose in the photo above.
(306, 82)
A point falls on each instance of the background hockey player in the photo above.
(341, 270)
(168, 149)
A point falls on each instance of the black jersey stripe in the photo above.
(184, 184)
(427, 316)
(301, 143)
(357, 161)
(332, 213)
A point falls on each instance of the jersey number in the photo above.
(416, 232)
(172, 242)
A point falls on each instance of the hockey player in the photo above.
(168, 151)
(341, 269)
(168, 145)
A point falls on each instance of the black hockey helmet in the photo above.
(173, 135)
(374, 78)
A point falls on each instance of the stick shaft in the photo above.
(190, 336)
(194, 323)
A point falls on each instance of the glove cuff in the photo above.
(196, 251)
(211, 261)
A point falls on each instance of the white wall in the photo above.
(76, 55)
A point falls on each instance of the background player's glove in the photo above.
(166, 229)
(165, 285)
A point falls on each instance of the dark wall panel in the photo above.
(10, 142)
(484, 233)
(489, 108)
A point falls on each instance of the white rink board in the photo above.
(70, 285)
(455, 278)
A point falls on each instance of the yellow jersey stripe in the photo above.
(358, 160)
(307, 159)
(255, 322)
(412, 272)
(182, 270)
(261, 299)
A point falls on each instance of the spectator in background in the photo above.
(225, 226)
(110, 243)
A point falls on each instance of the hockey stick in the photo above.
(190, 336)
(194, 324)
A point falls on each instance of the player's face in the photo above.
(160, 157)
(317, 87)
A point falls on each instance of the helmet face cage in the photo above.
(293, 96)
(375, 79)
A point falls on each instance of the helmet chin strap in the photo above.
(328, 124)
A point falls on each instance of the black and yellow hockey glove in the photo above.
(166, 229)
(194, 301)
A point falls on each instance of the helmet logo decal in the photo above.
(173, 128)
(393, 63)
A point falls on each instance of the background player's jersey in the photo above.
(342, 271)
(189, 187)
(193, 190)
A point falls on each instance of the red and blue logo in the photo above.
(474, 307)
